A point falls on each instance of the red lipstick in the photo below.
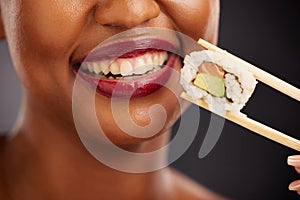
(155, 55)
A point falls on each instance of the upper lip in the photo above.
(131, 42)
(138, 39)
(115, 50)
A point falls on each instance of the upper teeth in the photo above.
(127, 66)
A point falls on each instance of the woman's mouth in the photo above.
(127, 67)
(140, 71)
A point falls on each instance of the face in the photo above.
(47, 38)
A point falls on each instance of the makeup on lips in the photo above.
(128, 69)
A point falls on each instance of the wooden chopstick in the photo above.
(252, 125)
(259, 74)
(243, 120)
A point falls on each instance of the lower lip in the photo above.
(139, 87)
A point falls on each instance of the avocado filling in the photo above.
(210, 77)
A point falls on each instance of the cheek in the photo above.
(42, 37)
(197, 18)
(51, 26)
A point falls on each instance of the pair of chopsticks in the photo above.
(244, 121)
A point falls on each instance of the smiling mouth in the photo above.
(130, 66)
(137, 73)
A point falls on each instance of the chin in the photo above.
(132, 121)
(142, 120)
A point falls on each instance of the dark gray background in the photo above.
(242, 165)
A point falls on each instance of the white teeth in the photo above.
(96, 67)
(114, 68)
(148, 59)
(149, 62)
(139, 66)
(106, 70)
(155, 59)
(127, 67)
(84, 66)
(90, 67)
(162, 57)
(103, 65)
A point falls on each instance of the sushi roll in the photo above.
(221, 82)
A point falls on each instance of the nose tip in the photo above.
(126, 13)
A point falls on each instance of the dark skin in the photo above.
(46, 160)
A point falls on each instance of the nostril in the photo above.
(113, 25)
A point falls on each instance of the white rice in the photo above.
(239, 83)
